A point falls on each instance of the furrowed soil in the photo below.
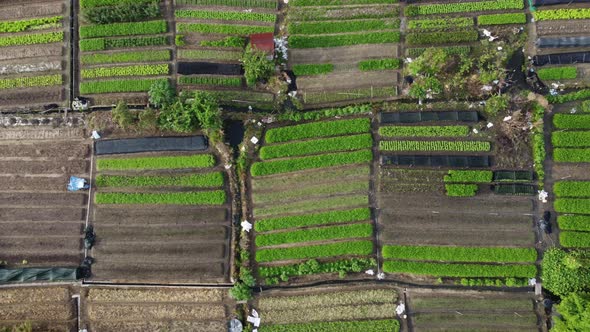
(342, 54)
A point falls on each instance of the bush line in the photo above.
(144, 163)
(362, 248)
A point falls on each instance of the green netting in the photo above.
(37, 274)
(514, 189)
(512, 176)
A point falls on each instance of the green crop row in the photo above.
(360, 109)
(463, 146)
(450, 50)
(380, 64)
(302, 3)
(558, 73)
(460, 270)
(123, 29)
(317, 28)
(227, 16)
(310, 162)
(424, 131)
(211, 80)
(390, 325)
(228, 29)
(570, 138)
(311, 205)
(312, 69)
(463, 7)
(571, 155)
(498, 19)
(145, 163)
(441, 37)
(357, 248)
(216, 197)
(209, 54)
(230, 41)
(318, 129)
(124, 12)
(23, 25)
(134, 70)
(271, 4)
(469, 176)
(120, 57)
(574, 223)
(347, 13)
(461, 254)
(311, 191)
(300, 41)
(315, 234)
(321, 218)
(571, 121)
(440, 23)
(99, 44)
(572, 189)
(562, 14)
(312, 266)
(349, 94)
(574, 239)
(293, 149)
(132, 85)
(572, 96)
(572, 205)
(31, 39)
(214, 179)
(101, 3)
(461, 190)
(24, 82)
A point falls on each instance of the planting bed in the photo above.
(34, 54)
(49, 309)
(161, 217)
(302, 208)
(41, 223)
(124, 48)
(344, 51)
(211, 37)
(355, 308)
(156, 309)
(430, 225)
(471, 311)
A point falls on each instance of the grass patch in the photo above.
(144, 163)
(183, 198)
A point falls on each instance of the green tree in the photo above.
(422, 86)
(575, 314)
(429, 63)
(241, 291)
(256, 66)
(148, 119)
(178, 117)
(495, 104)
(204, 105)
(162, 94)
(566, 272)
(122, 115)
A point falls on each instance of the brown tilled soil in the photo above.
(348, 80)
(43, 199)
(19, 10)
(31, 51)
(18, 182)
(48, 214)
(50, 150)
(118, 215)
(145, 270)
(41, 96)
(342, 54)
(45, 167)
(568, 172)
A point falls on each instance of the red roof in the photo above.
(263, 41)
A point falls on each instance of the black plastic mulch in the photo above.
(209, 68)
(561, 59)
(436, 161)
(149, 144)
(413, 117)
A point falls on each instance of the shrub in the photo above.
(565, 272)
(571, 121)
(572, 189)
(570, 138)
(380, 64)
(572, 205)
(179, 198)
(460, 270)
(135, 70)
(574, 223)
(460, 254)
(174, 162)
(257, 68)
(320, 161)
(318, 129)
(24, 82)
(123, 29)
(424, 131)
(574, 313)
(317, 28)
(497, 19)
(343, 143)
(135, 85)
(496, 104)
(122, 116)
(574, 239)
(441, 37)
(133, 56)
(214, 179)
(125, 12)
(302, 41)
(469, 176)
(162, 94)
(315, 234)
(241, 292)
(312, 69)
(558, 73)
(225, 15)
(320, 218)
(461, 146)
(322, 250)
(226, 29)
(30, 39)
(539, 154)
(461, 190)
(24, 25)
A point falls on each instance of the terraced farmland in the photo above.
(34, 53)
(161, 217)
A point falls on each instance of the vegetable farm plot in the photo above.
(34, 74)
(161, 218)
(305, 216)
(156, 309)
(440, 310)
(212, 36)
(432, 216)
(344, 51)
(50, 309)
(124, 48)
(40, 222)
(355, 308)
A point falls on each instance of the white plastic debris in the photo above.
(246, 225)
(292, 94)
(227, 166)
(486, 33)
(495, 81)
(254, 140)
(543, 196)
(409, 60)
(532, 281)
(490, 125)
(475, 131)
(507, 118)
(243, 148)
(381, 276)
(487, 88)
(492, 39)
(249, 108)
(286, 1)
(95, 134)
(553, 92)
(500, 48)
(254, 320)
(573, 110)
(255, 313)
(370, 272)
(259, 124)
(400, 309)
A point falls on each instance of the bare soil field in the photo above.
(348, 80)
(562, 171)
(20, 10)
(33, 51)
(545, 28)
(37, 97)
(345, 54)
(150, 309)
(49, 309)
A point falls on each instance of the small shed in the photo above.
(263, 42)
